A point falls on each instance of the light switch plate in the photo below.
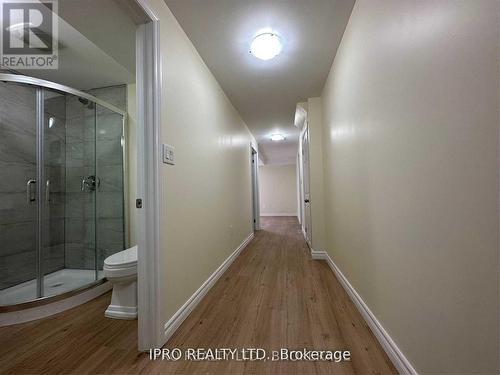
(168, 154)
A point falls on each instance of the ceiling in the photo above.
(266, 92)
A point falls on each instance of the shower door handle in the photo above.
(30, 197)
(47, 191)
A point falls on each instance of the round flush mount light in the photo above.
(277, 137)
(266, 46)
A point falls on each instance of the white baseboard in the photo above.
(318, 255)
(393, 352)
(290, 214)
(176, 320)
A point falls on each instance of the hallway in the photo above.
(273, 296)
(216, 186)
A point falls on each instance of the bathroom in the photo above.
(67, 158)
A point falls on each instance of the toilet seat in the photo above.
(122, 259)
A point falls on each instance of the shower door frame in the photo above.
(17, 78)
(40, 85)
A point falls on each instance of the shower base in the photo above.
(55, 283)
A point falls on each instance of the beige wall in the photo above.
(410, 139)
(278, 190)
(205, 204)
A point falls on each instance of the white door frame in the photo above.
(298, 168)
(306, 221)
(254, 155)
(148, 82)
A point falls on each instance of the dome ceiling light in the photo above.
(277, 137)
(266, 46)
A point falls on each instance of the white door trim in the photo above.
(305, 174)
(254, 154)
(148, 77)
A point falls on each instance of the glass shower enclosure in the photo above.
(62, 188)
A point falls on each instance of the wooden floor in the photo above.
(273, 296)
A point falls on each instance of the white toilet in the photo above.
(121, 271)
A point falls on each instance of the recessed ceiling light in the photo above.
(277, 137)
(266, 46)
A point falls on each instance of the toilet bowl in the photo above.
(121, 271)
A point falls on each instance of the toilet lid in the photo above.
(123, 258)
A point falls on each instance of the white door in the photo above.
(306, 225)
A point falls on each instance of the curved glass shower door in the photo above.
(110, 156)
(18, 191)
(69, 196)
(61, 187)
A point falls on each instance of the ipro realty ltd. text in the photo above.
(248, 354)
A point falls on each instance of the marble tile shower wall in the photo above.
(94, 221)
